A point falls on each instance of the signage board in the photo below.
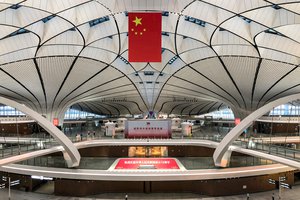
(147, 163)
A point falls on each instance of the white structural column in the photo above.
(71, 153)
(219, 156)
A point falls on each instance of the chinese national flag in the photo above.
(144, 35)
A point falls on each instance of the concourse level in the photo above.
(278, 139)
(205, 179)
(22, 140)
(154, 142)
(253, 176)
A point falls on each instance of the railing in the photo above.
(289, 119)
(44, 141)
(267, 147)
(11, 149)
(38, 141)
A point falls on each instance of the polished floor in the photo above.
(287, 194)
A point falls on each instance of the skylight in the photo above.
(124, 60)
(98, 21)
(276, 7)
(15, 6)
(165, 13)
(272, 31)
(148, 73)
(246, 19)
(18, 32)
(172, 60)
(46, 19)
(195, 21)
(165, 33)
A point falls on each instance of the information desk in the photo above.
(146, 163)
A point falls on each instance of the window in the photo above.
(285, 110)
(76, 114)
(9, 111)
(224, 114)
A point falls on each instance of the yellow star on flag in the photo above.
(137, 21)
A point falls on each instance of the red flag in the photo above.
(144, 35)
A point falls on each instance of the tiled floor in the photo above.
(293, 194)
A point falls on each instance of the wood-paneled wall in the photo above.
(218, 187)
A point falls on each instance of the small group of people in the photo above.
(89, 136)
(78, 137)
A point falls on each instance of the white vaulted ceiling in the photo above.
(60, 53)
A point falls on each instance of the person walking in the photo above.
(78, 138)
(273, 196)
(88, 137)
(248, 196)
(126, 197)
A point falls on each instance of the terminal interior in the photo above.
(102, 144)
(217, 116)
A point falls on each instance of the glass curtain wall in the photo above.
(77, 114)
(9, 111)
(226, 114)
(285, 110)
(70, 114)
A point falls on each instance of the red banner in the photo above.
(147, 163)
(237, 121)
(55, 121)
(144, 35)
